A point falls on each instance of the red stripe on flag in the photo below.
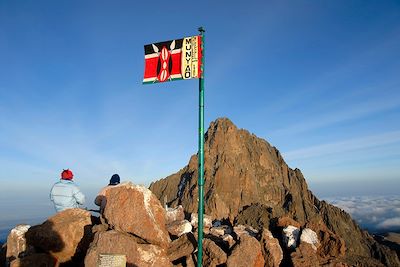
(150, 69)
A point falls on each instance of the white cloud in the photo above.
(376, 213)
(390, 223)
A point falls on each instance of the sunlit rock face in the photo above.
(135, 209)
(244, 172)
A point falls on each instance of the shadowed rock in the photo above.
(3, 251)
(271, 249)
(213, 255)
(305, 256)
(65, 236)
(36, 259)
(290, 236)
(182, 247)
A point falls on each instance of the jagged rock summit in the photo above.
(240, 170)
(248, 182)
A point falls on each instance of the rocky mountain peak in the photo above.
(221, 126)
(223, 136)
(248, 182)
(240, 170)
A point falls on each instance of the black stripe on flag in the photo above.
(148, 49)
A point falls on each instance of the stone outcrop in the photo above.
(245, 175)
(271, 249)
(16, 242)
(310, 237)
(331, 245)
(240, 230)
(184, 246)
(65, 236)
(213, 255)
(247, 253)
(207, 220)
(36, 259)
(178, 228)
(228, 240)
(135, 209)
(221, 230)
(175, 214)
(137, 254)
(305, 256)
(286, 221)
(3, 251)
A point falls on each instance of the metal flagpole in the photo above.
(201, 155)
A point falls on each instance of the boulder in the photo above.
(221, 230)
(331, 245)
(174, 214)
(213, 255)
(217, 231)
(99, 228)
(271, 249)
(229, 241)
(191, 261)
(182, 247)
(247, 253)
(310, 237)
(66, 235)
(114, 242)
(305, 256)
(36, 259)
(207, 220)
(3, 251)
(178, 228)
(240, 230)
(290, 236)
(135, 209)
(16, 242)
(256, 215)
(286, 221)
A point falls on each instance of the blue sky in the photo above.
(317, 79)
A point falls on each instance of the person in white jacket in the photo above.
(65, 194)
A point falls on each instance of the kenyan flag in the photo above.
(172, 60)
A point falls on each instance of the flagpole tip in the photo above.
(201, 29)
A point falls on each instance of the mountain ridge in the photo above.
(243, 171)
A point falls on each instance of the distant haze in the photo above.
(376, 213)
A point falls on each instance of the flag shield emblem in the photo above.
(172, 60)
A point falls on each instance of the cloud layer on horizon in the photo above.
(375, 213)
